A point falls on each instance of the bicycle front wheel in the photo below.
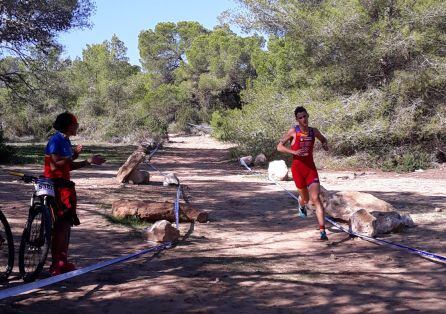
(35, 243)
(6, 248)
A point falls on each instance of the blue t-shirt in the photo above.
(59, 145)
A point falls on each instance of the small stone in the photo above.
(162, 231)
(438, 209)
(260, 160)
(170, 179)
(246, 160)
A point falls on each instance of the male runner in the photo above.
(304, 170)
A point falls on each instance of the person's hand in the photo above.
(78, 149)
(96, 160)
(299, 152)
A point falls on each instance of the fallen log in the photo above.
(153, 211)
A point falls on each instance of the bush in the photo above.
(6, 152)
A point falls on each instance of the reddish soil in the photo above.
(255, 255)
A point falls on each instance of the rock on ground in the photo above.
(278, 170)
(162, 231)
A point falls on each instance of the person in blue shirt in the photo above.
(59, 160)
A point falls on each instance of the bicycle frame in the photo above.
(47, 201)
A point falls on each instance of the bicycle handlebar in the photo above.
(24, 177)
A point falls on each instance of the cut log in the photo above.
(153, 211)
(131, 163)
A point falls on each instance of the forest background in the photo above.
(372, 74)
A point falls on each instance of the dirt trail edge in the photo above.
(255, 255)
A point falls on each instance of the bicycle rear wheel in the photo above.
(6, 248)
(35, 243)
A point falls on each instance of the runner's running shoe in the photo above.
(302, 211)
(324, 236)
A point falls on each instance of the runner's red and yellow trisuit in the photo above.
(303, 167)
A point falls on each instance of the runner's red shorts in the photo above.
(66, 200)
(304, 174)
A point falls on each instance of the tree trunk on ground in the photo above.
(153, 211)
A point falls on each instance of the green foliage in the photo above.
(371, 74)
(6, 152)
(162, 50)
(131, 222)
(410, 160)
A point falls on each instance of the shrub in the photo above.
(6, 152)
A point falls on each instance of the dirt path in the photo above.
(254, 256)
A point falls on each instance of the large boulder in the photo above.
(162, 231)
(365, 213)
(341, 205)
(278, 170)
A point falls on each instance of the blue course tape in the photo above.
(426, 254)
(6, 293)
(177, 207)
(245, 165)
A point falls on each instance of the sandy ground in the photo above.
(255, 255)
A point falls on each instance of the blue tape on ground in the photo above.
(380, 241)
(9, 292)
(245, 165)
(177, 207)
(426, 254)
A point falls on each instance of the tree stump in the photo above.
(131, 163)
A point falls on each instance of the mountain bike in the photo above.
(6, 248)
(36, 236)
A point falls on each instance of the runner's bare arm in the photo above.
(95, 160)
(321, 138)
(288, 136)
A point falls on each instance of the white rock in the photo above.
(247, 160)
(170, 179)
(278, 170)
(162, 231)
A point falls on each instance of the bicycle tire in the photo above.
(6, 251)
(35, 243)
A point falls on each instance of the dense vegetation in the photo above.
(372, 74)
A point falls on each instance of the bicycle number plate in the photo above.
(44, 187)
